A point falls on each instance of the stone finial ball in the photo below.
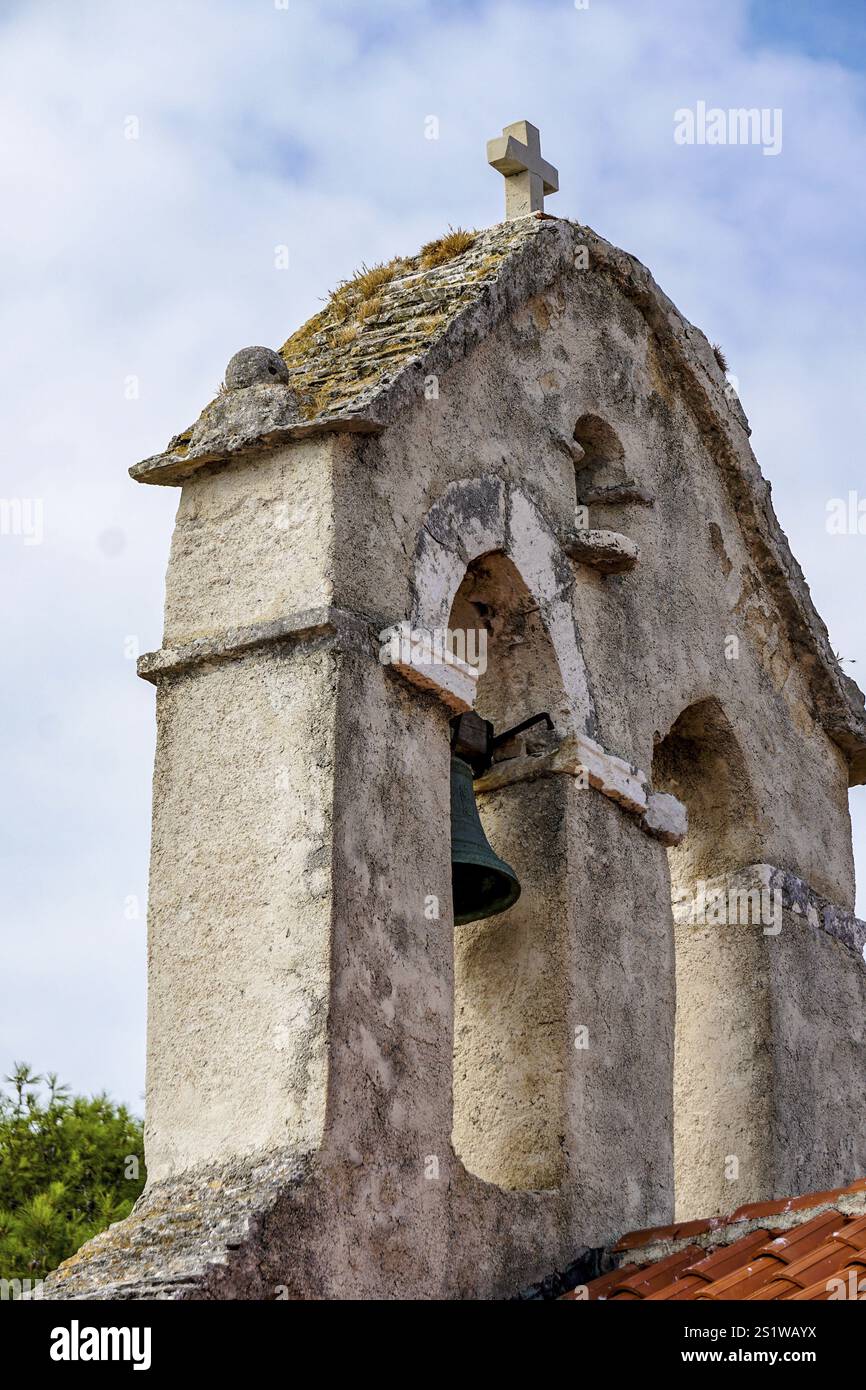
(255, 366)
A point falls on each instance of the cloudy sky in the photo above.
(132, 269)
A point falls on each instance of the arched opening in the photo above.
(509, 1016)
(603, 462)
(722, 1062)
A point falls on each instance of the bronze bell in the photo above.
(482, 884)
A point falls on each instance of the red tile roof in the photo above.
(793, 1257)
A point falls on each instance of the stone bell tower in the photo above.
(347, 1095)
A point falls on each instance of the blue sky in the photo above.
(833, 29)
(153, 259)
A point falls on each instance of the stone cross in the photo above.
(516, 153)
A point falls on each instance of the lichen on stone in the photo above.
(389, 313)
(382, 318)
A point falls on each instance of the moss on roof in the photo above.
(388, 314)
(375, 322)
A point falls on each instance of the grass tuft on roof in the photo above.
(382, 316)
(334, 356)
(369, 308)
(455, 241)
(367, 282)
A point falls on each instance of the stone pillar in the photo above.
(240, 884)
(723, 1088)
(300, 1114)
(239, 907)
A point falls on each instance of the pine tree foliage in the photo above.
(69, 1167)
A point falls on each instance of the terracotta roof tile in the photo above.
(765, 1265)
(743, 1282)
(814, 1269)
(854, 1234)
(758, 1210)
(820, 1264)
(647, 1236)
(730, 1257)
(656, 1276)
(682, 1230)
(777, 1288)
(799, 1240)
(816, 1293)
(602, 1286)
(693, 1280)
(853, 1276)
(687, 1286)
(689, 1229)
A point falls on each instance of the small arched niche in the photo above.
(509, 1017)
(722, 1081)
(603, 463)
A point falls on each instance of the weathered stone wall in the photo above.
(654, 639)
(655, 642)
(302, 1030)
(511, 1045)
(240, 885)
(818, 999)
(723, 1077)
(622, 971)
(771, 1040)
(251, 543)
(239, 909)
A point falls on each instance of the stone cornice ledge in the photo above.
(796, 897)
(451, 680)
(454, 683)
(304, 625)
(171, 469)
(661, 815)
